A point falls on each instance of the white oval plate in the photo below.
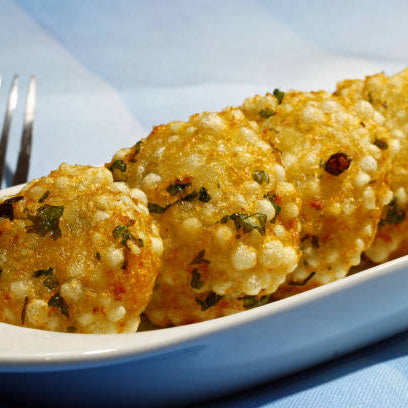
(208, 359)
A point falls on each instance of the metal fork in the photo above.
(23, 163)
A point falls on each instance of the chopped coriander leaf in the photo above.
(255, 301)
(190, 197)
(248, 222)
(204, 196)
(174, 189)
(199, 258)
(337, 164)
(51, 282)
(304, 281)
(138, 146)
(46, 221)
(196, 283)
(24, 310)
(381, 144)
(278, 95)
(266, 113)
(6, 207)
(260, 176)
(313, 239)
(43, 272)
(58, 301)
(122, 233)
(394, 215)
(118, 169)
(44, 197)
(210, 300)
(273, 198)
(156, 208)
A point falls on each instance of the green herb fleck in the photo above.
(279, 95)
(260, 176)
(24, 310)
(6, 207)
(304, 281)
(51, 282)
(122, 233)
(204, 196)
(46, 221)
(248, 222)
(199, 258)
(255, 301)
(174, 189)
(118, 169)
(156, 208)
(266, 113)
(138, 146)
(381, 144)
(313, 239)
(196, 283)
(210, 300)
(98, 256)
(190, 197)
(59, 302)
(395, 214)
(43, 272)
(44, 197)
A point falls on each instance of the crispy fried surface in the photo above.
(388, 95)
(78, 252)
(228, 217)
(328, 151)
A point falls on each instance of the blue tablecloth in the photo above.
(109, 70)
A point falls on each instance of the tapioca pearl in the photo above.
(280, 231)
(151, 181)
(141, 208)
(254, 126)
(330, 106)
(401, 195)
(310, 161)
(131, 325)
(71, 290)
(378, 253)
(342, 118)
(37, 312)
(243, 257)
(251, 186)
(116, 313)
(221, 287)
(36, 192)
(368, 164)
(374, 151)
(340, 271)
(85, 319)
(285, 189)
(211, 121)
(362, 179)
(100, 216)
(252, 286)
(102, 202)
(369, 199)
(289, 258)
(332, 255)
(263, 145)
(176, 126)
(289, 159)
(194, 161)
(313, 187)
(240, 200)
(397, 134)
(121, 154)
(278, 173)
(271, 254)
(310, 114)
(289, 211)
(138, 195)
(62, 182)
(266, 207)
(364, 109)
(157, 246)
(335, 208)
(348, 208)
(19, 289)
(223, 235)
(191, 228)
(395, 147)
(248, 135)
(367, 230)
(76, 269)
(387, 197)
(99, 175)
(312, 261)
(114, 257)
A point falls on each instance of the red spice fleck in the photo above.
(316, 204)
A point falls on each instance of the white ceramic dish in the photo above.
(204, 360)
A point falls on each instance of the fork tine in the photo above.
(23, 164)
(11, 105)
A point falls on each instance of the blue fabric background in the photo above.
(109, 70)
